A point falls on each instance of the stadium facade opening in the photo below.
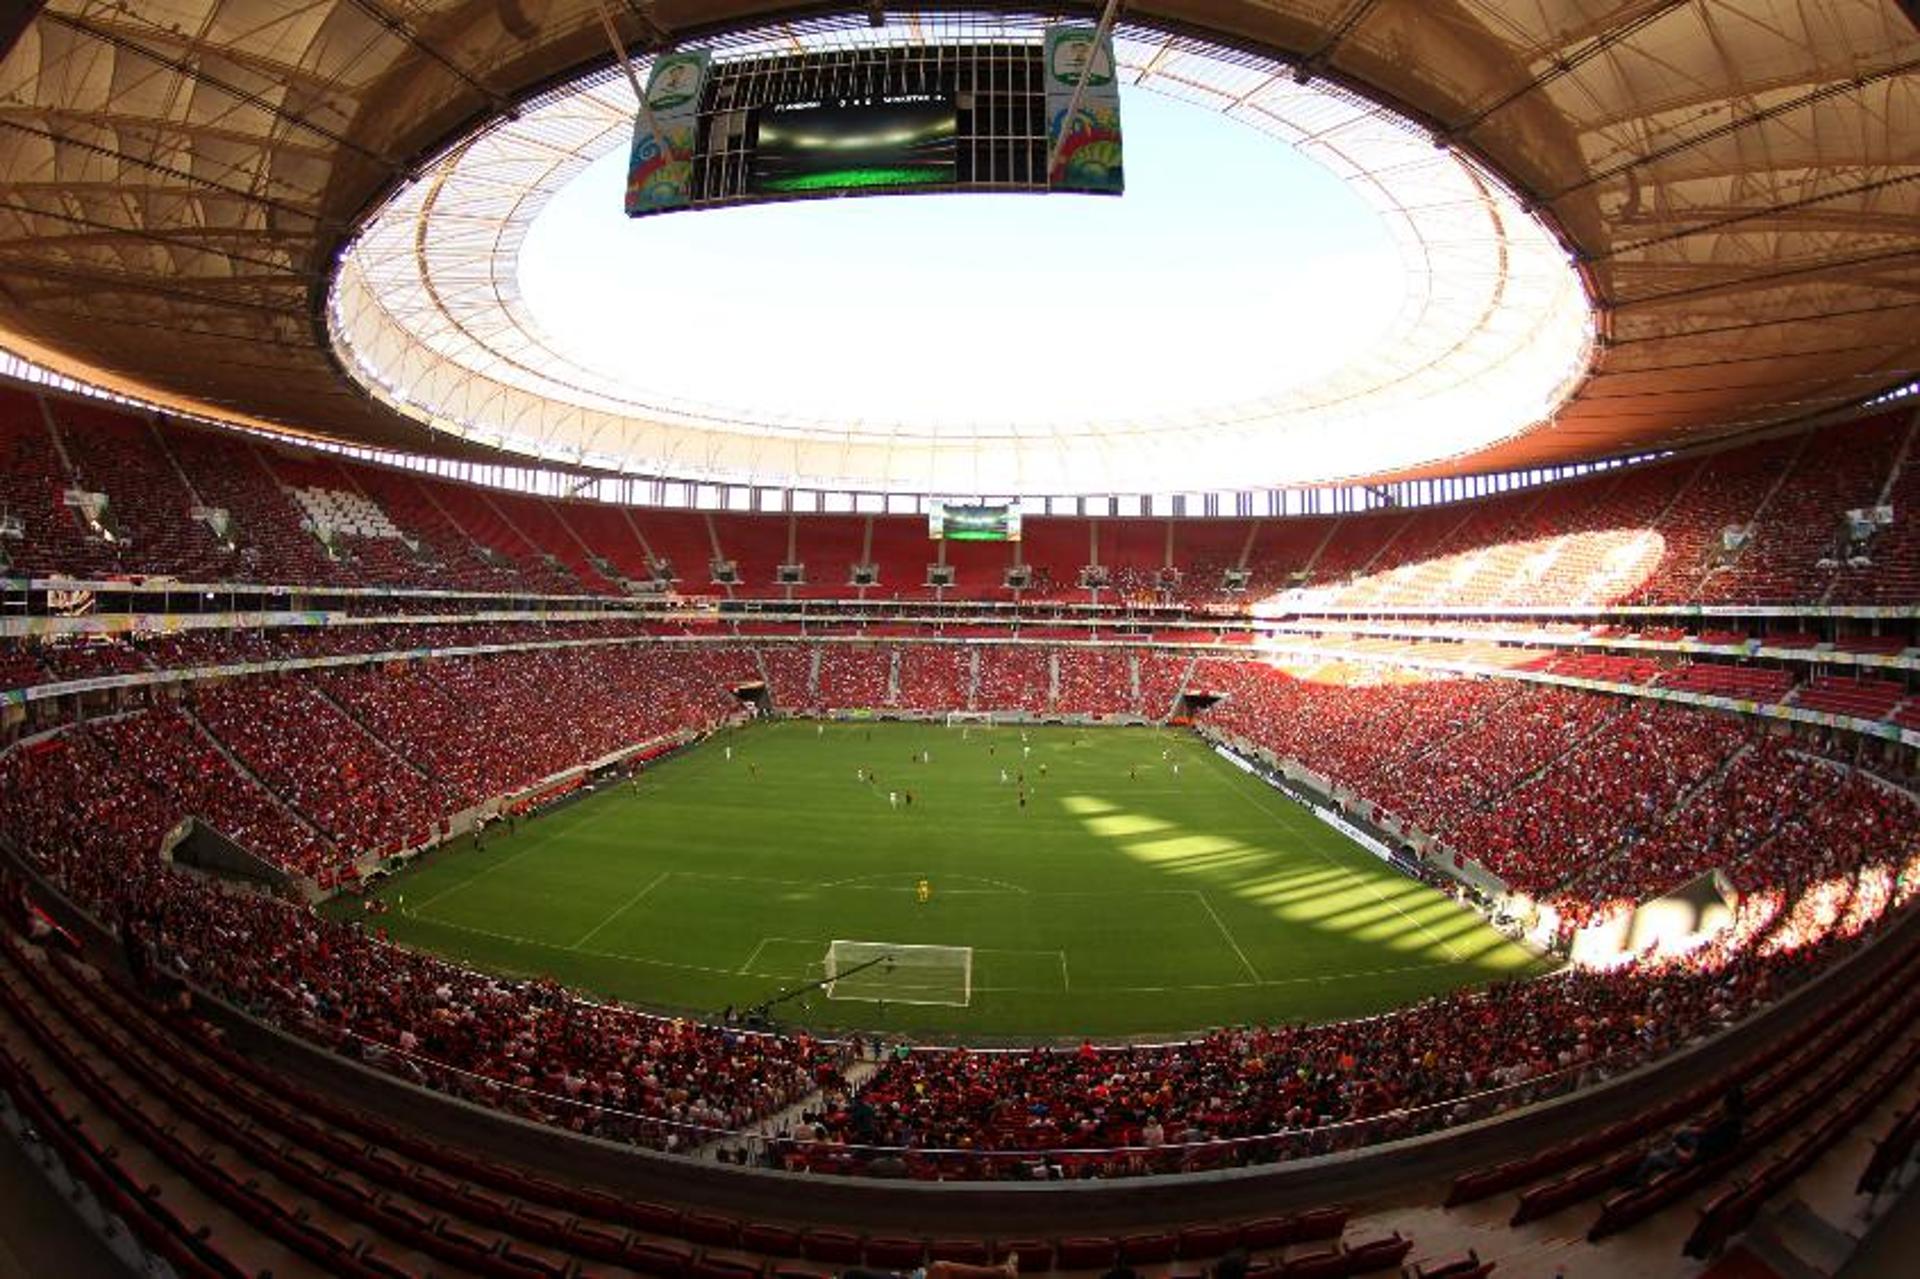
(1201, 326)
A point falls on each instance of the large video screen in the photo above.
(821, 150)
(955, 522)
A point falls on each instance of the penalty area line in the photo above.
(747, 967)
(535, 842)
(624, 907)
(1221, 924)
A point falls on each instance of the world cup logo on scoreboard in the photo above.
(676, 80)
(1072, 55)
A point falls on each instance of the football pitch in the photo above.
(1147, 887)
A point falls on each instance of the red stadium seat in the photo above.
(836, 1246)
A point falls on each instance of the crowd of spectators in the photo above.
(187, 777)
(1162, 678)
(1729, 823)
(1652, 534)
(1600, 799)
(1255, 1094)
(853, 677)
(1818, 854)
(526, 1046)
(1014, 679)
(1516, 736)
(482, 725)
(1351, 724)
(1095, 681)
(322, 763)
(1584, 801)
(27, 662)
(934, 677)
(789, 677)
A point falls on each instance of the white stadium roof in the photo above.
(1492, 329)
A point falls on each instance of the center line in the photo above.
(624, 908)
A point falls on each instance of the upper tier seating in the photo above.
(1654, 534)
(1862, 698)
(305, 749)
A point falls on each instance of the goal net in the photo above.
(963, 719)
(897, 973)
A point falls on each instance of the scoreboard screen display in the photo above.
(817, 149)
(977, 523)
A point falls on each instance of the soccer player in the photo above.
(893, 799)
(729, 751)
(923, 892)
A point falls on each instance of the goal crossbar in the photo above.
(899, 973)
(962, 719)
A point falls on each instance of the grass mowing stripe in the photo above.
(1363, 880)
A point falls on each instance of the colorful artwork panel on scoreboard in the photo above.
(1087, 147)
(660, 170)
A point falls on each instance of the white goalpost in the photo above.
(969, 719)
(899, 973)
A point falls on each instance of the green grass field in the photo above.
(1125, 899)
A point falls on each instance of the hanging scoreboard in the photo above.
(863, 121)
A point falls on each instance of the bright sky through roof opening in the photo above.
(1231, 268)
